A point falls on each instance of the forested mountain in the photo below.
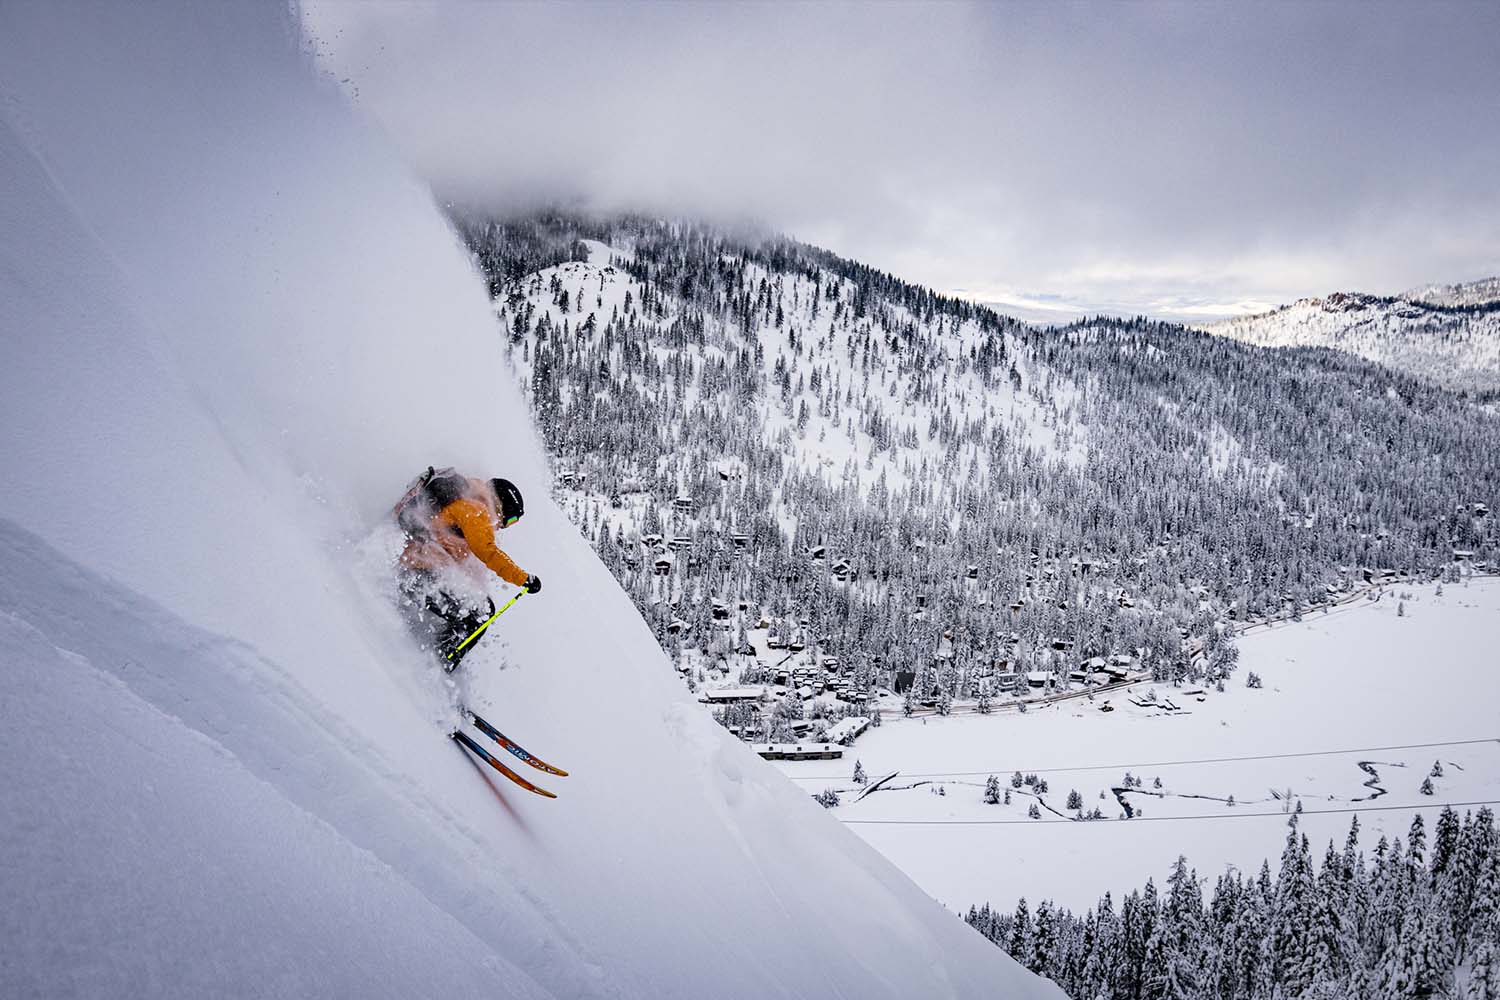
(1418, 919)
(908, 481)
(1449, 334)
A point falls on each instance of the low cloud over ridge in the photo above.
(1168, 159)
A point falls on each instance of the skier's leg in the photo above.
(426, 624)
(448, 622)
(439, 619)
(463, 624)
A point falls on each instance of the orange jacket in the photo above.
(464, 527)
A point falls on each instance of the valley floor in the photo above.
(1356, 708)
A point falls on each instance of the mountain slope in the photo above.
(1468, 293)
(226, 764)
(913, 485)
(1448, 334)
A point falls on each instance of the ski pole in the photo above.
(487, 622)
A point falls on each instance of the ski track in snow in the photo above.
(261, 721)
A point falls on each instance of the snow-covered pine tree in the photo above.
(1483, 944)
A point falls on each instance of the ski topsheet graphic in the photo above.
(465, 740)
(506, 743)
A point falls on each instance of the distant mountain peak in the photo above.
(1469, 293)
(1449, 334)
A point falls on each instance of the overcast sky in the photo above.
(1171, 159)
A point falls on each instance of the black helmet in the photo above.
(511, 506)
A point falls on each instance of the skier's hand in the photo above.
(533, 584)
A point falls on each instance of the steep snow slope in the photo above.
(1455, 344)
(232, 328)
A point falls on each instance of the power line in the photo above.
(1159, 819)
(1160, 763)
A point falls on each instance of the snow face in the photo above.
(175, 840)
(1367, 676)
(1449, 334)
(233, 329)
(1469, 293)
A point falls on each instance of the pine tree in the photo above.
(1484, 971)
(1388, 904)
(1292, 916)
(1173, 962)
(1484, 935)
(1100, 964)
(1130, 946)
(1018, 945)
(1043, 941)
(1329, 938)
(1407, 965)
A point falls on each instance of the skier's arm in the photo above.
(474, 521)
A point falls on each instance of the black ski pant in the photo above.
(440, 620)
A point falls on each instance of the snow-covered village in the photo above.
(740, 500)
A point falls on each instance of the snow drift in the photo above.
(233, 328)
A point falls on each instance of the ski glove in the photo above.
(533, 584)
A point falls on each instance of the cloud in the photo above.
(1150, 155)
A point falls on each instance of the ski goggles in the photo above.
(511, 520)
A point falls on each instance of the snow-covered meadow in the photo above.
(1394, 685)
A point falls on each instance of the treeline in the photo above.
(1417, 919)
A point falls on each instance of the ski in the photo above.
(507, 743)
(464, 740)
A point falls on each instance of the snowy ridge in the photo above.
(1468, 293)
(1449, 334)
(227, 760)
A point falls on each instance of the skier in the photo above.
(446, 518)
